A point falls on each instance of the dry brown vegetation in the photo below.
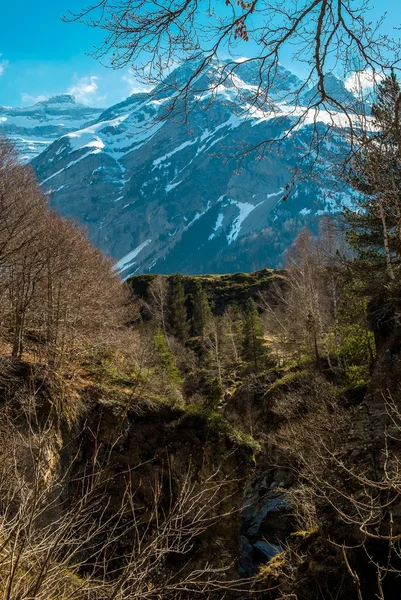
(73, 524)
(65, 535)
(54, 286)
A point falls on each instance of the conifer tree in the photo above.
(201, 310)
(164, 359)
(254, 349)
(376, 174)
(179, 317)
(215, 396)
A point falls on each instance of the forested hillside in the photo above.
(226, 436)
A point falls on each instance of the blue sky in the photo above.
(41, 56)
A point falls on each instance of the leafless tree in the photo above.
(302, 314)
(22, 204)
(52, 281)
(80, 296)
(233, 326)
(222, 340)
(158, 294)
(61, 534)
(216, 343)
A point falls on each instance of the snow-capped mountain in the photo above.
(34, 128)
(166, 195)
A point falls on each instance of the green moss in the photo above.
(272, 570)
(219, 424)
(290, 380)
(111, 369)
(355, 352)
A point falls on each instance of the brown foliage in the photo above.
(53, 283)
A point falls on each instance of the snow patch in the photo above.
(70, 164)
(217, 225)
(245, 210)
(279, 193)
(171, 186)
(127, 260)
(157, 162)
(197, 216)
(86, 137)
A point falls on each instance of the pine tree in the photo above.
(164, 360)
(179, 317)
(215, 396)
(376, 174)
(254, 349)
(386, 110)
(201, 310)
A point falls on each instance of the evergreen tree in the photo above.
(254, 349)
(215, 396)
(179, 317)
(386, 110)
(201, 310)
(376, 174)
(164, 360)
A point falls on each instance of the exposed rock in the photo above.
(164, 195)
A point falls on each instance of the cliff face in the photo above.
(322, 509)
(111, 456)
(165, 451)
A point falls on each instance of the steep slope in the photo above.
(165, 195)
(34, 128)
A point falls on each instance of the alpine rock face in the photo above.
(34, 128)
(173, 194)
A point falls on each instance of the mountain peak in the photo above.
(336, 90)
(59, 99)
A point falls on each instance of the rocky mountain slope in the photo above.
(166, 195)
(34, 128)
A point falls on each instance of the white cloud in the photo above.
(135, 86)
(28, 99)
(85, 89)
(362, 80)
(3, 65)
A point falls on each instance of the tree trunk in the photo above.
(336, 328)
(385, 241)
(316, 346)
(18, 334)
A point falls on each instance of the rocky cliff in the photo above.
(171, 194)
